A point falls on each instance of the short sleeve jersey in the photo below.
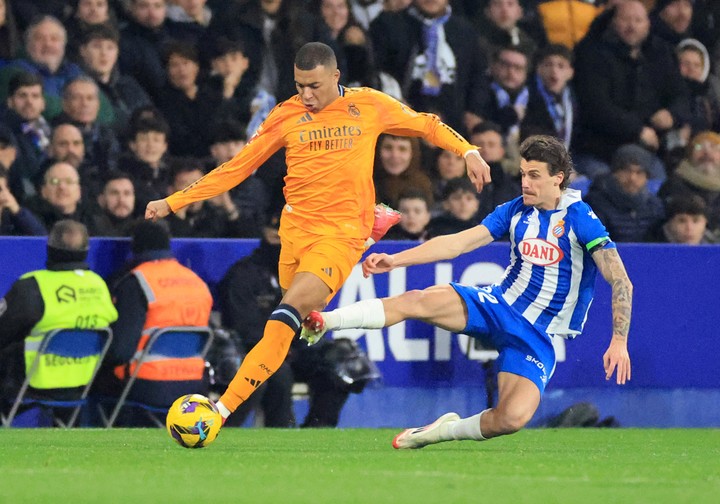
(330, 155)
(551, 276)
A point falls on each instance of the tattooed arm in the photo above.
(613, 270)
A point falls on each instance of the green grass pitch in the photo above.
(267, 466)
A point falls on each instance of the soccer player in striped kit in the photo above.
(557, 247)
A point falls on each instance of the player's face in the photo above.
(539, 188)
(318, 87)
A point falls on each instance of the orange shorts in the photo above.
(329, 258)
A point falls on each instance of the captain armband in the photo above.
(597, 244)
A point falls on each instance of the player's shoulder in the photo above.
(366, 93)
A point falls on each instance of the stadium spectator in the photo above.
(397, 167)
(230, 88)
(621, 199)
(460, 208)
(671, 20)
(9, 34)
(433, 54)
(248, 293)
(60, 196)
(629, 89)
(415, 209)
(685, 222)
(81, 107)
(507, 93)
(53, 298)
(141, 44)
(191, 19)
(364, 11)
(704, 87)
(45, 41)
(515, 313)
(120, 94)
(551, 108)
(8, 147)
(87, 14)
(116, 205)
(330, 215)
(157, 292)
(67, 145)
(183, 103)
(27, 12)
(504, 171)
(15, 220)
(23, 115)
(498, 26)
(251, 196)
(698, 173)
(202, 219)
(147, 162)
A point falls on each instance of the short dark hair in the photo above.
(228, 130)
(148, 235)
(550, 150)
(116, 175)
(23, 79)
(315, 54)
(182, 49)
(414, 193)
(150, 124)
(553, 50)
(486, 126)
(689, 204)
(102, 31)
(458, 184)
(67, 234)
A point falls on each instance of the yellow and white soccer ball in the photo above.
(193, 421)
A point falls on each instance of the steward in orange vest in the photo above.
(157, 292)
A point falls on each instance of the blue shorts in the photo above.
(523, 349)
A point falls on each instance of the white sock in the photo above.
(368, 314)
(223, 409)
(467, 428)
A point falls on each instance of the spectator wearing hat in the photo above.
(704, 86)
(461, 204)
(685, 222)
(621, 199)
(156, 292)
(699, 173)
(671, 20)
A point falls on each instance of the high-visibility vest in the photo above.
(176, 296)
(77, 299)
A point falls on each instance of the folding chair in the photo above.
(68, 343)
(167, 342)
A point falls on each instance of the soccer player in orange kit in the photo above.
(329, 133)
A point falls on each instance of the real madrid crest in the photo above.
(353, 110)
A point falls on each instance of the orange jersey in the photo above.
(330, 154)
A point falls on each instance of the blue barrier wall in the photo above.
(674, 342)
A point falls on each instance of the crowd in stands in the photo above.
(109, 104)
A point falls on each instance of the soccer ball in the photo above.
(193, 421)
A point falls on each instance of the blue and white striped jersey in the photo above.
(551, 276)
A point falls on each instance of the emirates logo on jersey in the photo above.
(540, 252)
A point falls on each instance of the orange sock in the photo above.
(260, 363)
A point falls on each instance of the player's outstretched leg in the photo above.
(385, 218)
(417, 437)
(448, 427)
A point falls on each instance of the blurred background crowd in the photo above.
(108, 104)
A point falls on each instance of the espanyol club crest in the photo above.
(559, 229)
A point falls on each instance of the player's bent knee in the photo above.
(411, 304)
(509, 422)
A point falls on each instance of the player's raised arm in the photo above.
(438, 249)
(616, 357)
